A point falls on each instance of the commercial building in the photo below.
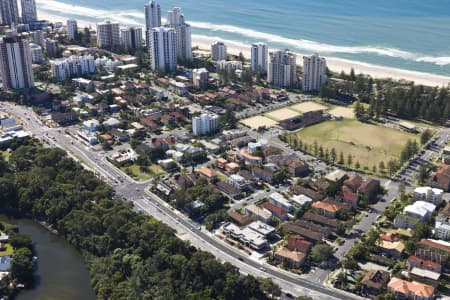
(200, 78)
(37, 55)
(314, 73)
(183, 42)
(247, 236)
(152, 19)
(108, 35)
(51, 47)
(282, 69)
(163, 49)
(9, 12)
(218, 51)
(72, 29)
(15, 62)
(205, 124)
(38, 37)
(131, 38)
(29, 14)
(259, 57)
(74, 66)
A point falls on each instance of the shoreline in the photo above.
(333, 63)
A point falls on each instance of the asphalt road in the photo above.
(152, 205)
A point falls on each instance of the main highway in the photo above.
(148, 203)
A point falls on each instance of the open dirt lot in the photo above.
(282, 114)
(307, 106)
(258, 121)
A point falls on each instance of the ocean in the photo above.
(411, 35)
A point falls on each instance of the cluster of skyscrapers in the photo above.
(9, 12)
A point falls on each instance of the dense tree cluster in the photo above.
(386, 96)
(130, 255)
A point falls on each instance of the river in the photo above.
(61, 272)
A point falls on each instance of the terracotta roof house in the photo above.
(319, 185)
(441, 179)
(433, 250)
(240, 219)
(164, 142)
(416, 262)
(278, 212)
(374, 281)
(298, 243)
(208, 173)
(319, 219)
(389, 237)
(228, 189)
(348, 197)
(258, 213)
(393, 249)
(293, 259)
(403, 289)
(313, 226)
(329, 208)
(353, 183)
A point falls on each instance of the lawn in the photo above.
(369, 144)
(135, 172)
(8, 251)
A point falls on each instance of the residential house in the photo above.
(337, 176)
(64, 119)
(389, 237)
(258, 213)
(228, 189)
(374, 281)
(164, 142)
(298, 243)
(119, 135)
(238, 181)
(240, 219)
(441, 179)
(330, 208)
(301, 190)
(250, 159)
(392, 249)
(348, 197)
(208, 173)
(326, 231)
(310, 235)
(425, 271)
(403, 289)
(370, 187)
(279, 200)
(434, 250)
(185, 181)
(442, 224)
(292, 259)
(276, 211)
(319, 219)
(352, 184)
(264, 174)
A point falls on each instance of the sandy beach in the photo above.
(335, 64)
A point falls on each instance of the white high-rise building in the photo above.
(218, 51)
(205, 124)
(131, 38)
(152, 19)
(314, 73)
(72, 29)
(175, 19)
(259, 57)
(29, 14)
(15, 62)
(163, 55)
(74, 66)
(9, 12)
(108, 35)
(37, 54)
(282, 71)
(200, 78)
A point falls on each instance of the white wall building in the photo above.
(200, 78)
(163, 49)
(131, 38)
(279, 200)
(412, 214)
(15, 62)
(259, 58)
(428, 194)
(205, 124)
(108, 35)
(74, 66)
(237, 181)
(282, 69)
(218, 51)
(152, 19)
(229, 66)
(183, 41)
(314, 73)
(37, 55)
(72, 29)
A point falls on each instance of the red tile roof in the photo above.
(414, 287)
(278, 211)
(297, 242)
(428, 264)
(390, 237)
